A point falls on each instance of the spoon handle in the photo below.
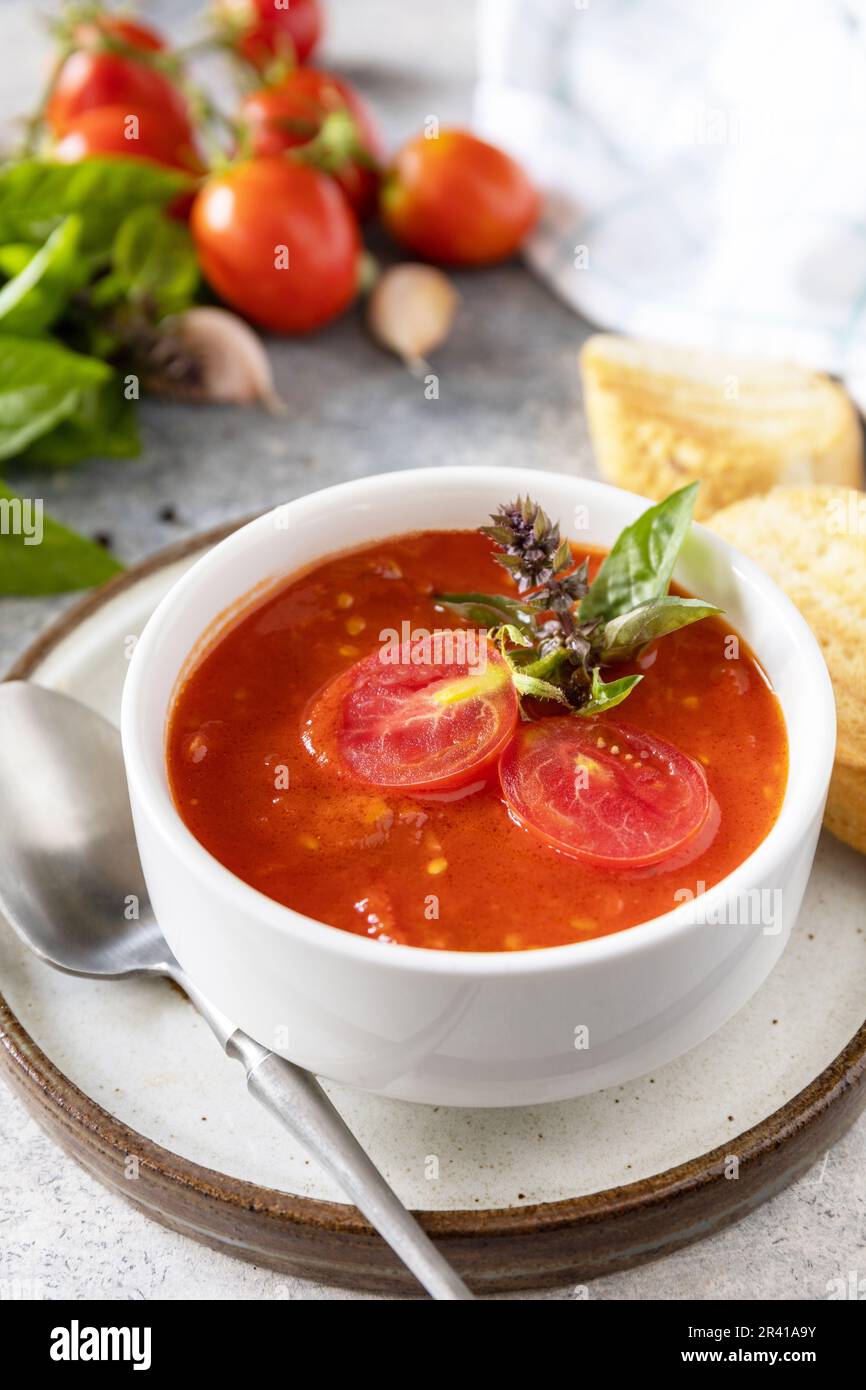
(295, 1098)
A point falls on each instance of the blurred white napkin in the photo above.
(704, 161)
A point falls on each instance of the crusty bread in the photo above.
(845, 815)
(660, 417)
(812, 541)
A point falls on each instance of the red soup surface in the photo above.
(397, 827)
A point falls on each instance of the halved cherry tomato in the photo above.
(278, 242)
(603, 792)
(106, 130)
(414, 726)
(292, 113)
(458, 200)
(95, 75)
(265, 30)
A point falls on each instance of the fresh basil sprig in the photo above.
(45, 388)
(90, 265)
(561, 631)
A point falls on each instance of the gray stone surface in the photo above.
(509, 395)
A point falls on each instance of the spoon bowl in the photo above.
(71, 884)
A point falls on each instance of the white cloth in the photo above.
(704, 163)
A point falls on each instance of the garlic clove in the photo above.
(228, 361)
(411, 311)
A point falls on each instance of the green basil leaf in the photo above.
(155, 258)
(41, 383)
(604, 695)
(490, 610)
(107, 290)
(624, 636)
(640, 565)
(103, 424)
(542, 666)
(36, 195)
(39, 293)
(39, 556)
(542, 690)
(509, 633)
(14, 256)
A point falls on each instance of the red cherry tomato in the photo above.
(290, 114)
(266, 30)
(457, 200)
(278, 242)
(95, 75)
(106, 130)
(603, 792)
(413, 726)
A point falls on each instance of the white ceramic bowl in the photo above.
(465, 1028)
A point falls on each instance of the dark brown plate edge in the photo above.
(500, 1250)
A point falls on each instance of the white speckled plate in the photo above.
(523, 1196)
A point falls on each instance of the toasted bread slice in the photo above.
(845, 815)
(812, 541)
(660, 417)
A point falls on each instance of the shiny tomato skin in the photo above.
(242, 218)
(287, 115)
(603, 792)
(102, 131)
(128, 31)
(92, 77)
(413, 726)
(457, 200)
(289, 31)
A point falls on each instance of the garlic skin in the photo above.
(231, 365)
(411, 311)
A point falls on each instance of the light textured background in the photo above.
(509, 394)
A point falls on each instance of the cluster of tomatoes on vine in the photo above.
(276, 217)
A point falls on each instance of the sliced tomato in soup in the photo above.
(603, 792)
(415, 726)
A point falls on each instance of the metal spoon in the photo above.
(68, 857)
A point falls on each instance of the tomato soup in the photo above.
(486, 863)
